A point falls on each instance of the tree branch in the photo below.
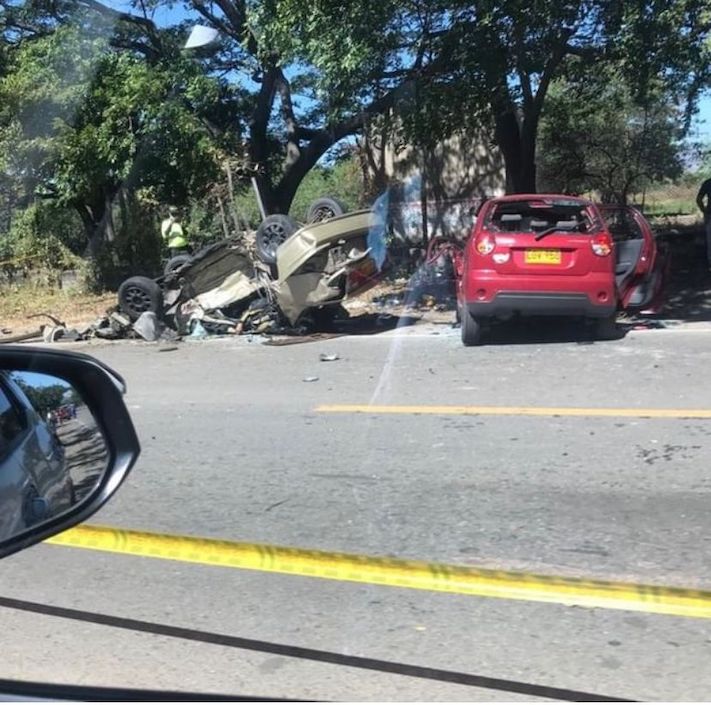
(215, 21)
(549, 70)
(117, 15)
(293, 148)
(587, 53)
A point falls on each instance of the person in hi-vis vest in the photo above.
(173, 234)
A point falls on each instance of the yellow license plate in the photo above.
(543, 257)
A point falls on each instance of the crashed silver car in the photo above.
(227, 289)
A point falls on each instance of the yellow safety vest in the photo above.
(172, 232)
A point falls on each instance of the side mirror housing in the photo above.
(66, 442)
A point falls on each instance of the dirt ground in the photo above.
(18, 304)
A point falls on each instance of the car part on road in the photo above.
(21, 337)
(140, 294)
(148, 326)
(53, 334)
(324, 209)
(272, 232)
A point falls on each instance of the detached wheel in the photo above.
(272, 232)
(471, 328)
(325, 209)
(138, 295)
(174, 262)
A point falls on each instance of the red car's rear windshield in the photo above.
(533, 216)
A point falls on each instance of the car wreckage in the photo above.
(228, 288)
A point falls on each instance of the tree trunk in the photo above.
(527, 175)
(223, 217)
(517, 143)
(91, 230)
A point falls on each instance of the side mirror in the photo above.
(66, 442)
(202, 37)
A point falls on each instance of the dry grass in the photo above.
(75, 309)
(672, 199)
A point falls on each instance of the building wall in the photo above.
(454, 178)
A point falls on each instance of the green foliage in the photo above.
(44, 398)
(43, 236)
(343, 180)
(595, 137)
(86, 128)
(79, 123)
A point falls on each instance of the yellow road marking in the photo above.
(513, 411)
(393, 572)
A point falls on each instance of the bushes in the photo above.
(43, 239)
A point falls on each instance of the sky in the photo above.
(703, 120)
(38, 379)
(701, 128)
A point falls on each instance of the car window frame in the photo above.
(596, 220)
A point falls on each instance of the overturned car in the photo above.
(226, 289)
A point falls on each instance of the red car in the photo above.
(556, 255)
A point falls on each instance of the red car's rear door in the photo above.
(640, 269)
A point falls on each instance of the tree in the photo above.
(595, 137)
(312, 74)
(81, 124)
(509, 53)
(44, 398)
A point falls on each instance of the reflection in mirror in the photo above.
(52, 453)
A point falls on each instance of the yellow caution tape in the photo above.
(514, 411)
(393, 572)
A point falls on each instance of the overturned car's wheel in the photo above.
(471, 328)
(138, 295)
(174, 262)
(272, 232)
(325, 209)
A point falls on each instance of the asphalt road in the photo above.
(233, 447)
(85, 451)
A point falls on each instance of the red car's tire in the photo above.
(471, 328)
(606, 328)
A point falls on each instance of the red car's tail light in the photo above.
(485, 243)
(601, 245)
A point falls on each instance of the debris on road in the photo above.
(148, 326)
(433, 285)
(310, 379)
(328, 358)
(53, 334)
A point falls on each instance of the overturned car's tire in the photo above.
(174, 262)
(272, 232)
(138, 295)
(325, 209)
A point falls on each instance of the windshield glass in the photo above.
(413, 303)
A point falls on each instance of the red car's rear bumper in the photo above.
(490, 294)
